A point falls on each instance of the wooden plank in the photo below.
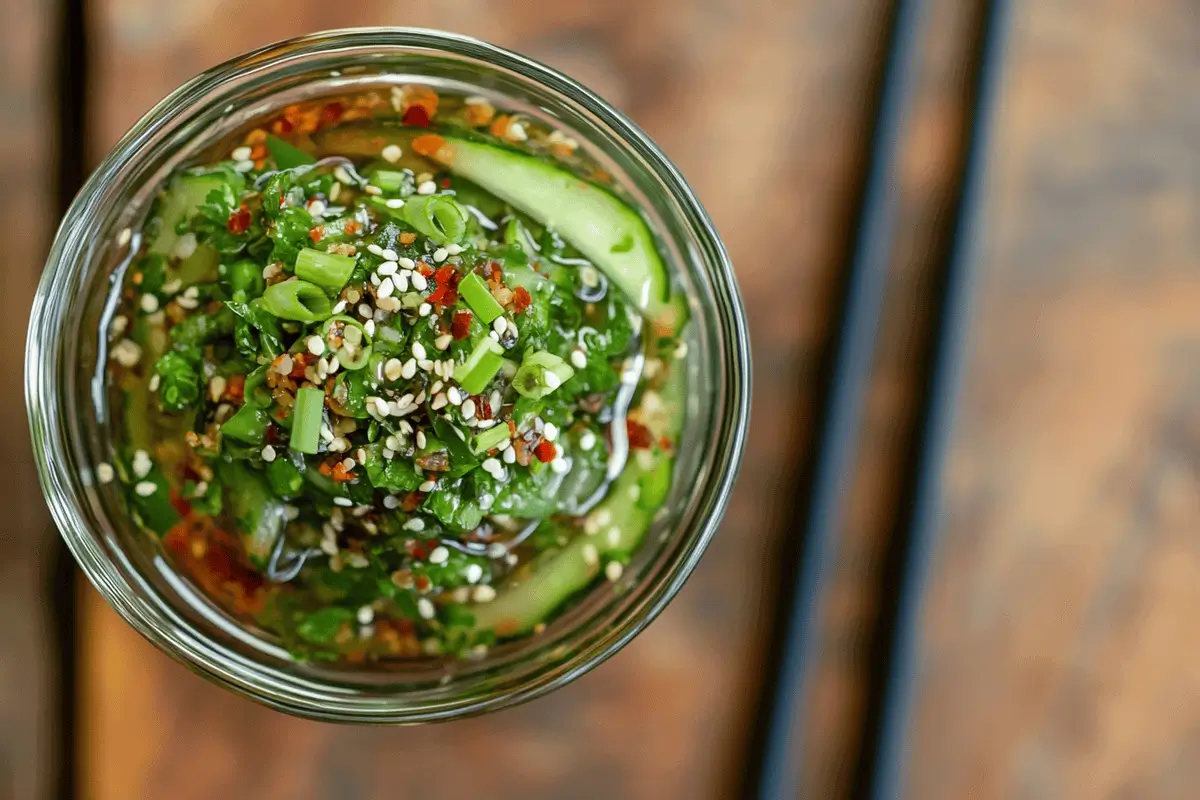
(926, 182)
(759, 104)
(27, 662)
(1060, 642)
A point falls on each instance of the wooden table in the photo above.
(1058, 659)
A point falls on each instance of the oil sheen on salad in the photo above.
(395, 375)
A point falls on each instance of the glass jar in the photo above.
(69, 411)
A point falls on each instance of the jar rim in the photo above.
(52, 435)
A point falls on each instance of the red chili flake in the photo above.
(283, 125)
(331, 113)
(316, 233)
(351, 227)
(417, 116)
(326, 469)
(177, 540)
(183, 507)
(235, 388)
(408, 238)
(299, 363)
(445, 183)
(545, 452)
(341, 474)
(424, 268)
(272, 435)
(239, 220)
(497, 274)
(422, 583)
(521, 299)
(412, 500)
(483, 408)
(446, 293)
(460, 327)
(640, 437)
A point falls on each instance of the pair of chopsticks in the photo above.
(771, 772)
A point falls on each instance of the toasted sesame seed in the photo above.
(400, 279)
(145, 488)
(454, 396)
(591, 556)
(473, 573)
(316, 208)
(391, 153)
(243, 166)
(428, 486)
(408, 369)
(493, 466)
(390, 304)
(428, 187)
(149, 303)
(241, 153)
(483, 594)
(439, 401)
(365, 615)
(141, 463)
(424, 309)
(290, 512)
(613, 536)
(439, 555)
(516, 132)
(589, 277)
(105, 472)
(392, 369)
(613, 571)
(316, 345)
(386, 287)
(442, 342)
(425, 608)
(123, 237)
(268, 453)
(387, 269)
(370, 189)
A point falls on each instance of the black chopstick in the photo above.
(770, 771)
(890, 701)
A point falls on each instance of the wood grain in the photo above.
(1061, 650)
(761, 105)
(27, 676)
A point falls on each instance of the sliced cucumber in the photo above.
(183, 197)
(629, 508)
(610, 233)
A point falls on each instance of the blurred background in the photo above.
(1059, 654)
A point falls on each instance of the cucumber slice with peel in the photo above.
(185, 194)
(606, 230)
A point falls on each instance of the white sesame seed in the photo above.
(386, 287)
(439, 555)
(552, 380)
(454, 249)
(550, 431)
(439, 255)
(145, 488)
(419, 282)
(316, 345)
(268, 453)
(468, 409)
(559, 466)
(241, 153)
(316, 208)
(173, 286)
(494, 467)
(587, 441)
(415, 524)
(407, 263)
(408, 369)
(105, 472)
(364, 310)
(495, 336)
(123, 237)
(613, 571)
(187, 302)
(425, 364)
(372, 190)
(591, 556)
(509, 455)
(427, 486)
(682, 350)
(369, 327)
(336, 189)
(387, 268)
(149, 303)
(405, 427)
(578, 359)
(425, 608)
(589, 277)
(141, 463)
(365, 615)
(454, 396)
(401, 281)
(290, 512)
(344, 502)
(216, 387)
(390, 304)
(391, 153)
(473, 573)
(391, 501)
(375, 250)
(504, 445)
(392, 369)
(243, 166)
(439, 401)
(483, 594)
(613, 536)
(389, 255)
(424, 309)
(428, 187)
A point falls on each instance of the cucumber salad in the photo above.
(396, 375)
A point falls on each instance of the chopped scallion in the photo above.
(330, 271)
(474, 374)
(296, 300)
(479, 298)
(306, 419)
